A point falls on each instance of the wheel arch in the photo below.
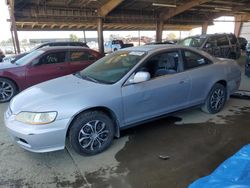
(7, 78)
(224, 83)
(103, 109)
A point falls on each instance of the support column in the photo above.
(159, 29)
(237, 25)
(13, 27)
(100, 35)
(84, 36)
(204, 28)
(13, 41)
(139, 36)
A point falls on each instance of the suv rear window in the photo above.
(193, 41)
(232, 39)
(222, 40)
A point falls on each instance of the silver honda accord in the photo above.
(121, 90)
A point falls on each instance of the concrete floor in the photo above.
(195, 142)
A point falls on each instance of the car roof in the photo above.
(156, 48)
(208, 35)
(49, 48)
(152, 47)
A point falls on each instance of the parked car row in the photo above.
(126, 88)
(41, 65)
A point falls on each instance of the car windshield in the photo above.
(192, 41)
(29, 57)
(113, 67)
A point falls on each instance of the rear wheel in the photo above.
(7, 90)
(91, 133)
(216, 99)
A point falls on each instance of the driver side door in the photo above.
(49, 66)
(167, 90)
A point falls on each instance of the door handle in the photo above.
(60, 68)
(183, 81)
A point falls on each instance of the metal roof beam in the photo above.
(179, 9)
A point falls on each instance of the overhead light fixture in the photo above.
(225, 9)
(163, 5)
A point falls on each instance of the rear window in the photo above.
(193, 41)
(232, 39)
(81, 56)
(222, 40)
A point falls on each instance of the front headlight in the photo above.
(36, 118)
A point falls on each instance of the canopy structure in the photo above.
(124, 14)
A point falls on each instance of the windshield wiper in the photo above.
(86, 77)
(90, 78)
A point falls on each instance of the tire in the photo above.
(115, 49)
(8, 90)
(91, 124)
(215, 100)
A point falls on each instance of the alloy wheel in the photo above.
(93, 135)
(6, 91)
(217, 99)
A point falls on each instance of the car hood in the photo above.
(7, 65)
(61, 94)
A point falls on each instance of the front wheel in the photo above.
(91, 133)
(7, 90)
(216, 99)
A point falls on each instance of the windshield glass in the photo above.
(29, 57)
(192, 41)
(113, 67)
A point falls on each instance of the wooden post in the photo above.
(204, 28)
(237, 25)
(13, 27)
(100, 35)
(159, 29)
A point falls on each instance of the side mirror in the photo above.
(140, 77)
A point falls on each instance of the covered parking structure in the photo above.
(37, 15)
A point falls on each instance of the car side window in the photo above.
(222, 40)
(193, 60)
(81, 56)
(53, 58)
(211, 42)
(162, 64)
(232, 39)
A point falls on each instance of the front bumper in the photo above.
(37, 138)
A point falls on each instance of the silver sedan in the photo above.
(123, 89)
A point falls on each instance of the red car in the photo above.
(42, 65)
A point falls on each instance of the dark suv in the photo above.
(218, 45)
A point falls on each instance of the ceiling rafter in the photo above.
(108, 7)
(181, 8)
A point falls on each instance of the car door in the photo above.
(80, 59)
(223, 44)
(211, 46)
(200, 71)
(48, 66)
(166, 91)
